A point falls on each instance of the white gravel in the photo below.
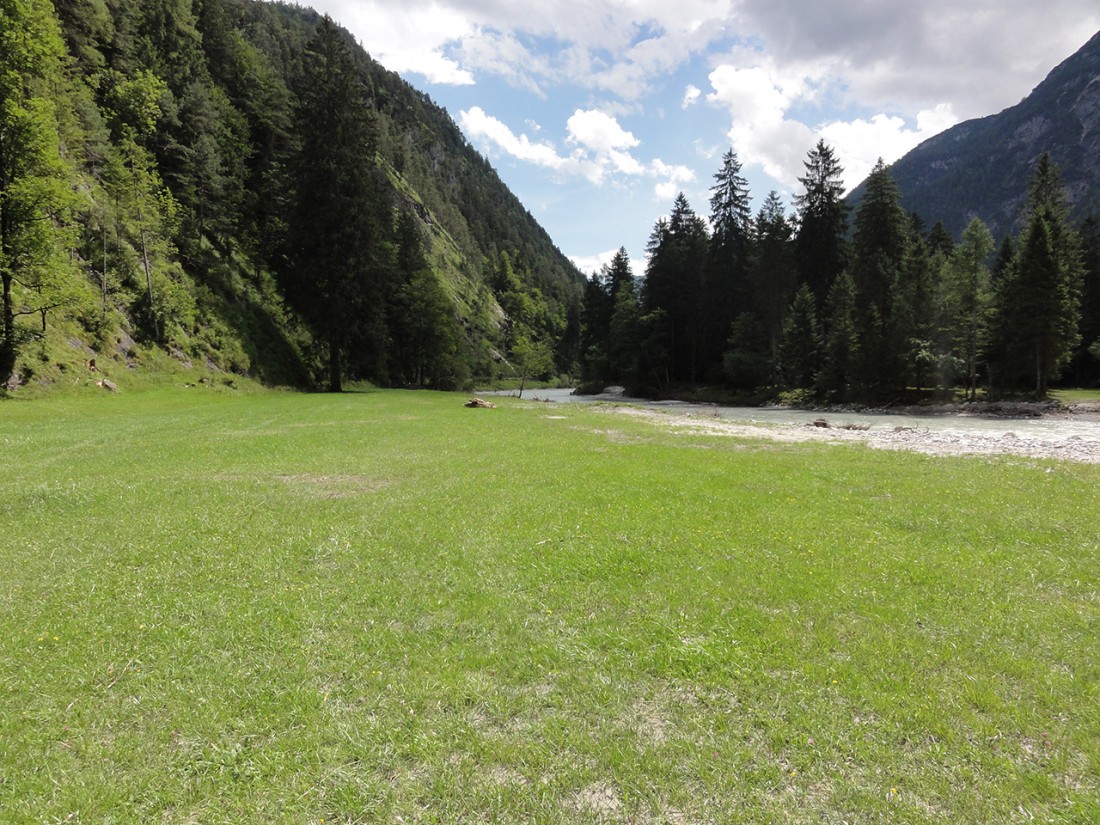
(1076, 448)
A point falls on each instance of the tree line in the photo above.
(871, 307)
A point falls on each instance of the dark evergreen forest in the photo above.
(870, 307)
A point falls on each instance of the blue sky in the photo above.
(597, 113)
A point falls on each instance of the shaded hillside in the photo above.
(158, 143)
(981, 167)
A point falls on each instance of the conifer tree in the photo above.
(841, 343)
(800, 347)
(1039, 301)
(336, 263)
(677, 257)
(821, 242)
(772, 274)
(879, 249)
(725, 287)
(969, 297)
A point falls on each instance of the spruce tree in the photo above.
(800, 346)
(674, 277)
(841, 343)
(969, 298)
(335, 262)
(725, 288)
(821, 242)
(879, 249)
(772, 273)
(1040, 301)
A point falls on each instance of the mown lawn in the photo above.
(384, 607)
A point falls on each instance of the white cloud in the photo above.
(411, 40)
(760, 132)
(691, 96)
(982, 56)
(599, 132)
(860, 143)
(591, 264)
(764, 133)
(601, 149)
(476, 123)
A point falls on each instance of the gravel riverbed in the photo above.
(1078, 448)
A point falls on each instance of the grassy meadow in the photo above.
(384, 607)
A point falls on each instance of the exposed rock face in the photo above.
(981, 167)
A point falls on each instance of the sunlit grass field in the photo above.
(384, 607)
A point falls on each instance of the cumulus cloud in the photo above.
(599, 132)
(860, 143)
(906, 57)
(760, 131)
(591, 264)
(691, 96)
(764, 132)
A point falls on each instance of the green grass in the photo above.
(301, 608)
(1075, 396)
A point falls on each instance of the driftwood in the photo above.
(821, 422)
(481, 404)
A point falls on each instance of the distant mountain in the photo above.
(981, 167)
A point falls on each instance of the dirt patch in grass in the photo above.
(601, 799)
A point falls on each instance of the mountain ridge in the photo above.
(980, 168)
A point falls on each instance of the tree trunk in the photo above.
(7, 340)
(334, 382)
(104, 279)
(149, 286)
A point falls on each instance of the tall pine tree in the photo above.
(336, 262)
(821, 242)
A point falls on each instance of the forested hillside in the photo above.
(225, 187)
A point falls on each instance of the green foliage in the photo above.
(166, 134)
(35, 198)
(910, 315)
(800, 354)
(968, 298)
(1039, 302)
(841, 346)
(821, 247)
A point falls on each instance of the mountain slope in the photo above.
(981, 167)
(171, 129)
